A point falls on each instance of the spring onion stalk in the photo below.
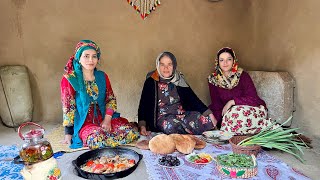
(284, 139)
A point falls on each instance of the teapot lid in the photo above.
(34, 133)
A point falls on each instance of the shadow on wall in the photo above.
(19, 4)
(37, 110)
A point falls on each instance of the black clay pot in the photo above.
(123, 152)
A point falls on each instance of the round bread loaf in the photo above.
(176, 137)
(200, 144)
(184, 143)
(143, 144)
(162, 144)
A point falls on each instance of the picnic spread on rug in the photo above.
(267, 167)
(218, 159)
(174, 156)
(188, 145)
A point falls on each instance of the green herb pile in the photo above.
(235, 160)
(284, 139)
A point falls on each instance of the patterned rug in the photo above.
(268, 167)
(9, 170)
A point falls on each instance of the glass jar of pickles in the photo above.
(35, 148)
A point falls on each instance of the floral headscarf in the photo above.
(74, 61)
(217, 78)
(73, 68)
(176, 78)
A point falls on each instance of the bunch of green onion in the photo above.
(284, 139)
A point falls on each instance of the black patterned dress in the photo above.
(172, 118)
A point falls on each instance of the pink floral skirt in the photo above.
(244, 119)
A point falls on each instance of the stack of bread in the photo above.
(167, 144)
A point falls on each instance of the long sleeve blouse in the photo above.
(69, 107)
(243, 94)
(148, 106)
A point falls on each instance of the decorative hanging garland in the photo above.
(144, 7)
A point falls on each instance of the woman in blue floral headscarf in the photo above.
(88, 103)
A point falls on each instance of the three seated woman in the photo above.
(167, 103)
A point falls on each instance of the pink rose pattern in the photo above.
(244, 119)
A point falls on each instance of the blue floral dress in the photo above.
(172, 118)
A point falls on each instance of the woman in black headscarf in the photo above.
(169, 105)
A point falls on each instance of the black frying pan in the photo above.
(123, 152)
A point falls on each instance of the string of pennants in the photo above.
(144, 7)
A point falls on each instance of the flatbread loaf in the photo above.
(162, 144)
(200, 144)
(143, 144)
(184, 143)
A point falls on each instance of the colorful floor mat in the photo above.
(9, 170)
(57, 135)
(268, 167)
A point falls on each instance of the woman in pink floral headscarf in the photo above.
(234, 99)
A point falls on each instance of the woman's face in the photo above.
(89, 59)
(225, 62)
(166, 66)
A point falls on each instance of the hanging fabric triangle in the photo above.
(144, 7)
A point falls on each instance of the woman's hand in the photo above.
(227, 106)
(106, 123)
(144, 132)
(213, 119)
(67, 139)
